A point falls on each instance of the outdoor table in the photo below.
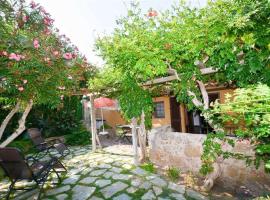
(126, 132)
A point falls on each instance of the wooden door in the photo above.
(175, 114)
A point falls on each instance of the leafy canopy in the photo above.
(229, 35)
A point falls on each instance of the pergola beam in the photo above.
(204, 71)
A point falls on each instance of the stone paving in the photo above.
(97, 176)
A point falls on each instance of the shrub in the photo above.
(25, 145)
(173, 173)
(78, 136)
(149, 167)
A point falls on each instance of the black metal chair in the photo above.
(43, 146)
(17, 168)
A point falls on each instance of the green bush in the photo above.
(57, 121)
(149, 167)
(173, 173)
(25, 145)
(78, 136)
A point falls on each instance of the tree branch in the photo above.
(8, 118)
(21, 127)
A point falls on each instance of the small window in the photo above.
(159, 111)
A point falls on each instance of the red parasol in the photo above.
(103, 102)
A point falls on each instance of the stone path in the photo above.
(97, 176)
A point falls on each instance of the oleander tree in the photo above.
(231, 36)
(37, 64)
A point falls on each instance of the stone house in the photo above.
(168, 112)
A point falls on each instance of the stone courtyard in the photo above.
(103, 175)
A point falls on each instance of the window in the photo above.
(159, 111)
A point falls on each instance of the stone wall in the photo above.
(183, 150)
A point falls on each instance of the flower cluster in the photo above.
(152, 13)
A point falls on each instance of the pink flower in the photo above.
(36, 43)
(25, 18)
(20, 88)
(67, 56)
(55, 53)
(33, 4)
(152, 13)
(47, 21)
(4, 79)
(47, 31)
(14, 56)
(25, 81)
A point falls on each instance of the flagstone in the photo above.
(136, 182)
(148, 196)
(157, 190)
(116, 169)
(98, 172)
(61, 196)
(71, 180)
(74, 171)
(139, 171)
(145, 185)
(108, 174)
(105, 166)
(121, 176)
(58, 190)
(88, 180)
(177, 188)
(110, 190)
(86, 171)
(109, 160)
(159, 182)
(26, 195)
(127, 166)
(132, 190)
(103, 182)
(122, 197)
(81, 192)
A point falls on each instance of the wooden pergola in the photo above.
(139, 132)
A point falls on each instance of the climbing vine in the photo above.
(249, 110)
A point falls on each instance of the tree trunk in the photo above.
(134, 140)
(142, 139)
(21, 127)
(8, 118)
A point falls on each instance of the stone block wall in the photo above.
(183, 150)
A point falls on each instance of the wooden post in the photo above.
(183, 118)
(93, 123)
(134, 140)
(142, 139)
